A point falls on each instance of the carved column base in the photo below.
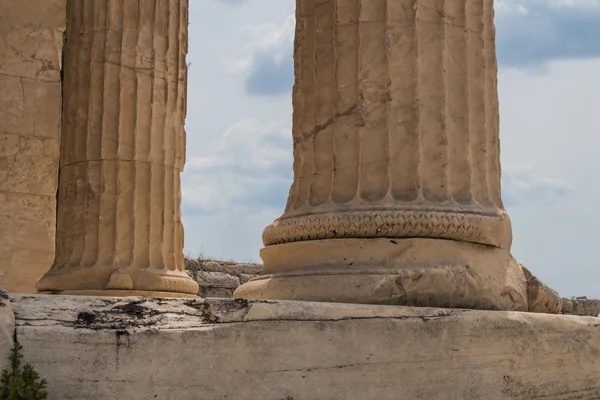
(123, 281)
(409, 272)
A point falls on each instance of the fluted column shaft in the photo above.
(395, 123)
(396, 192)
(122, 148)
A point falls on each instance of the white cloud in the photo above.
(267, 64)
(249, 162)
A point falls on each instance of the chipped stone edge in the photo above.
(134, 314)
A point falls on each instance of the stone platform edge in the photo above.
(140, 348)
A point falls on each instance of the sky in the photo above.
(239, 143)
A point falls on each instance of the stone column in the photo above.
(119, 228)
(396, 192)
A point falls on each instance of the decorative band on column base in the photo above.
(123, 280)
(491, 228)
(409, 272)
(121, 293)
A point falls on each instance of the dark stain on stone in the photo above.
(135, 309)
(121, 333)
(86, 318)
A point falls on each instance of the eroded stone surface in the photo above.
(581, 306)
(122, 149)
(413, 272)
(105, 348)
(219, 278)
(31, 35)
(540, 297)
(7, 329)
(396, 137)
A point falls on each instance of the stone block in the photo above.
(136, 348)
(28, 165)
(7, 329)
(214, 292)
(31, 35)
(230, 268)
(26, 239)
(30, 107)
(216, 279)
(31, 41)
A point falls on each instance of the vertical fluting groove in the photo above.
(335, 96)
(108, 165)
(126, 151)
(325, 107)
(178, 132)
(158, 135)
(373, 96)
(67, 244)
(132, 209)
(307, 125)
(403, 115)
(477, 100)
(121, 83)
(93, 151)
(346, 140)
(360, 112)
(297, 107)
(467, 116)
(170, 134)
(492, 120)
(486, 108)
(387, 140)
(77, 73)
(417, 133)
(81, 85)
(70, 84)
(434, 160)
(459, 171)
(143, 142)
(313, 102)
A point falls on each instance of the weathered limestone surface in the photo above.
(219, 278)
(581, 306)
(122, 150)
(31, 35)
(134, 348)
(396, 152)
(7, 329)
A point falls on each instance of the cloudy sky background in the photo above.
(239, 131)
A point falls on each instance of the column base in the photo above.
(411, 272)
(126, 280)
(121, 293)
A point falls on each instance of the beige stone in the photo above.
(395, 130)
(31, 35)
(541, 298)
(415, 272)
(122, 150)
(106, 348)
(7, 329)
(220, 278)
(581, 306)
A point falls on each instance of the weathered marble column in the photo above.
(119, 228)
(396, 193)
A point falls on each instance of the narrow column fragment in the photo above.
(122, 150)
(396, 193)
